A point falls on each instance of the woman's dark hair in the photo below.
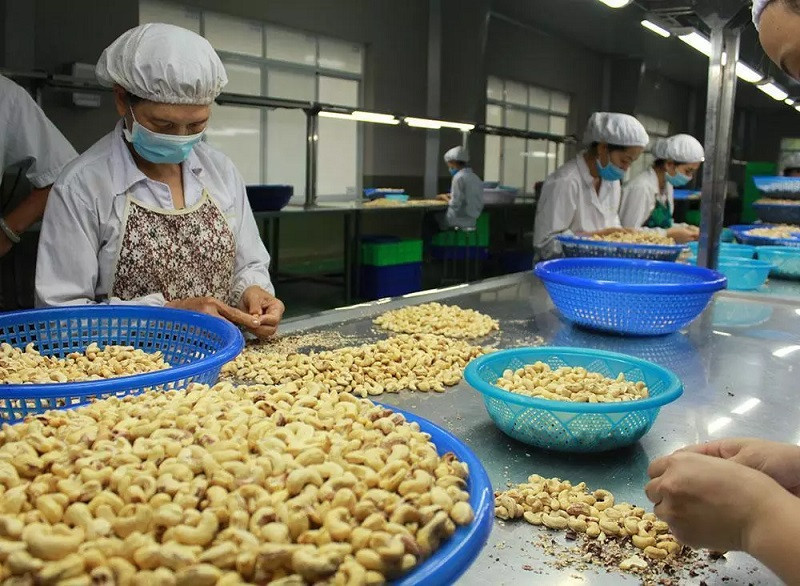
(133, 98)
(793, 4)
(659, 162)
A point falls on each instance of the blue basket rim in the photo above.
(232, 338)
(673, 392)
(548, 271)
(775, 206)
(780, 250)
(729, 245)
(458, 553)
(567, 239)
(737, 262)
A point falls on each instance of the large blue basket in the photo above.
(778, 187)
(775, 213)
(456, 554)
(574, 246)
(629, 296)
(567, 426)
(741, 233)
(194, 344)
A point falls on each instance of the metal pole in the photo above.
(719, 127)
(312, 143)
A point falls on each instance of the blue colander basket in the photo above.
(566, 426)
(742, 235)
(194, 344)
(628, 296)
(574, 246)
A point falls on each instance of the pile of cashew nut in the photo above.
(779, 231)
(223, 486)
(434, 318)
(557, 504)
(30, 367)
(419, 363)
(570, 384)
(638, 237)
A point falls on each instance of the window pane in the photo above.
(516, 119)
(236, 35)
(559, 103)
(552, 156)
(539, 98)
(236, 131)
(558, 125)
(537, 161)
(494, 115)
(243, 79)
(494, 89)
(338, 150)
(514, 162)
(560, 158)
(283, 45)
(342, 92)
(286, 149)
(290, 85)
(491, 159)
(340, 56)
(516, 93)
(538, 122)
(154, 11)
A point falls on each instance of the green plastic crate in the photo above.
(458, 238)
(750, 192)
(382, 254)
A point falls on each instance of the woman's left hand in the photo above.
(266, 306)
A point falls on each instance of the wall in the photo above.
(664, 99)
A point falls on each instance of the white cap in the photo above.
(659, 148)
(792, 161)
(163, 63)
(458, 153)
(684, 148)
(615, 128)
(758, 8)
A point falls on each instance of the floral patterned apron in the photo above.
(178, 253)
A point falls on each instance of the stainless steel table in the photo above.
(737, 363)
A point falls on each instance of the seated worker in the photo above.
(151, 214)
(465, 200)
(648, 200)
(583, 195)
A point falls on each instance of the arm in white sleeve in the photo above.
(66, 267)
(554, 215)
(251, 266)
(457, 196)
(635, 207)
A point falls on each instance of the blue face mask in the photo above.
(610, 172)
(678, 180)
(160, 148)
(453, 171)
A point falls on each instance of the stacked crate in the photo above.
(458, 244)
(390, 266)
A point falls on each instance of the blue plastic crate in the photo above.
(390, 281)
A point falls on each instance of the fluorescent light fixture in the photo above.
(616, 3)
(363, 117)
(797, 107)
(715, 425)
(651, 26)
(789, 102)
(773, 91)
(747, 73)
(337, 115)
(437, 124)
(746, 406)
(785, 351)
(697, 42)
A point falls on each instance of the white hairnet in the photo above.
(684, 148)
(458, 153)
(163, 63)
(615, 128)
(791, 161)
(659, 148)
(758, 8)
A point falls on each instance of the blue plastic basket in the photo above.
(744, 274)
(583, 247)
(194, 344)
(785, 260)
(566, 426)
(727, 249)
(456, 554)
(628, 296)
(778, 187)
(778, 213)
(741, 233)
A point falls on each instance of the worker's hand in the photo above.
(267, 308)
(710, 502)
(446, 197)
(215, 307)
(779, 461)
(683, 235)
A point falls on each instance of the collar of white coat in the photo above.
(583, 169)
(654, 178)
(124, 172)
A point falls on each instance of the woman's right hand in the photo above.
(682, 235)
(215, 307)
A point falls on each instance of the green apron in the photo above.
(660, 217)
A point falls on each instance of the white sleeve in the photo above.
(457, 195)
(251, 266)
(554, 215)
(34, 138)
(66, 268)
(634, 208)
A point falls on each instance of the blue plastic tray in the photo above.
(574, 246)
(778, 213)
(195, 344)
(628, 296)
(457, 554)
(567, 426)
(741, 233)
(778, 187)
(785, 260)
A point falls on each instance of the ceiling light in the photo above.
(747, 73)
(651, 26)
(362, 117)
(773, 91)
(437, 124)
(789, 102)
(797, 107)
(697, 42)
(616, 3)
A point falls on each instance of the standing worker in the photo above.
(648, 199)
(465, 200)
(583, 195)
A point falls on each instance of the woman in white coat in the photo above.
(648, 200)
(151, 214)
(583, 195)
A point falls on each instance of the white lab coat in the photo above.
(83, 222)
(570, 204)
(639, 198)
(466, 202)
(27, 136)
